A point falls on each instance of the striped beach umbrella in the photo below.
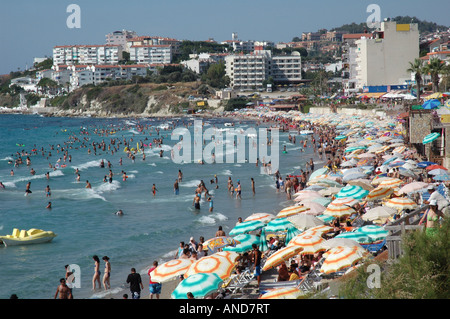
(262, 241)
(314, 208)
(245, 243)
(435, 166)
(340, 137)
(310, 243)
(300, 197)
(352, 191)
(356, 236)
(329, 191)
(279, 224)
(200, 285)
(412, 187)
(430, 138)
(170, 270)
(349, 201)
(437, 171)
(283, 293)
(319, 230)
(324, 201)
(442, 177)
(291, 210)
(281, 256)
(318, 172)
(345, 242)
(379, 212)
(326, 218)
(246, 227)
(291, 233)
(341, 257)
(263, 217)
(379, 193)
(401, 203)
(376, 233)
(364, 183)
(221, 263)
(339, 210)
(391, 182)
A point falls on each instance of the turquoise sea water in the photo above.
(84, 220)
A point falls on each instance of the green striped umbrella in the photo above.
(246, 242)
(262, 241)
(376, 233)
(199, 284)
(354, 148)
(279, 224)
(359, 237)
(353, 191)
(326, 218)
(318, 172)
(340, 137)
(246, 227)
(430, 138)
(324, 201)
(291, 233)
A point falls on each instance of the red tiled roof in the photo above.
(356, 35)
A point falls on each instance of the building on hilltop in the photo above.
(120, 38)
(86, 54)
(151, 54)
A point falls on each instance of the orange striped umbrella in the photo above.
(280, 256)
(379, 193)
(283, 293)
(310, 243)
(341, 257)
(170, 269)
(338, 210)
(319, 230)
(221, 263)
(349, 201)
(291, 210)
(401, 203)
(263, 217)
(392, 182)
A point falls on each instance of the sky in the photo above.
(31, 28)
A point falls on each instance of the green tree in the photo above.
(435, 67)
(417, 68)
(216, 76)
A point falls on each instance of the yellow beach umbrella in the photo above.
(401, 203)
(291, 210)
(310, 242)
(170, 269)
(341, 257)
(221, 263)
(391, 182)
(280, 256)
(338, 210)
(379, 193)
(283, 293)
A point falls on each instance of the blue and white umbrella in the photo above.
(430, 137)
(353, 191)
(425, 164)
(441, 177)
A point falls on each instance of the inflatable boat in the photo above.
(27, 237)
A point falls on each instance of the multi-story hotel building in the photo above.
(86, 54)
(151, 54)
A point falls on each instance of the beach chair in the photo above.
(375, 248)
(238, 282)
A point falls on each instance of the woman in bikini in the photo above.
(431, 217)
(107, 275)
(97, 273)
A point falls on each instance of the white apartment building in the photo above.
(86, 54)
(383, 59)
(248, 72)
(151, 54)
(120, 38)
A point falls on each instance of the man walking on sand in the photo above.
(256, 260)
(135, 281)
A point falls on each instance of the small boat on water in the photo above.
(27, 237)
(228, 124)
(306, 132)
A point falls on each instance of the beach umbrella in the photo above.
(291, 210)
(406, 172)
(326, 218)
(221, 263)
(170, 269)
(435, 166)
(379, 212)
(352, 191)
(425, 164)
(319, 230)
(345, 242)
(324, 181)
(318, 172)
(262, 217)
(441, 177)
(340, 137)
(339, 210)
(301, 197)
(324, 201)
(262, 241)
(349, 201)
(281, 256)
(279, 224)
(219, 242)
(291, 233)
(412, 187)
(431, 104)
(375, 233)
(401, 203)
(200, 285)
(341, 257)
(314, 208)
(303, 221)
(353, 175)
(430, 138)
(246, 227)
(364, 183)
(356, 236)
(329, 191)
(355, 148)
(437, 171)
(245, 243)
(311, 243)
(379, 193)
(391, 182)
(283, 293)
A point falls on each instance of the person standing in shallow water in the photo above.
(96, 277)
